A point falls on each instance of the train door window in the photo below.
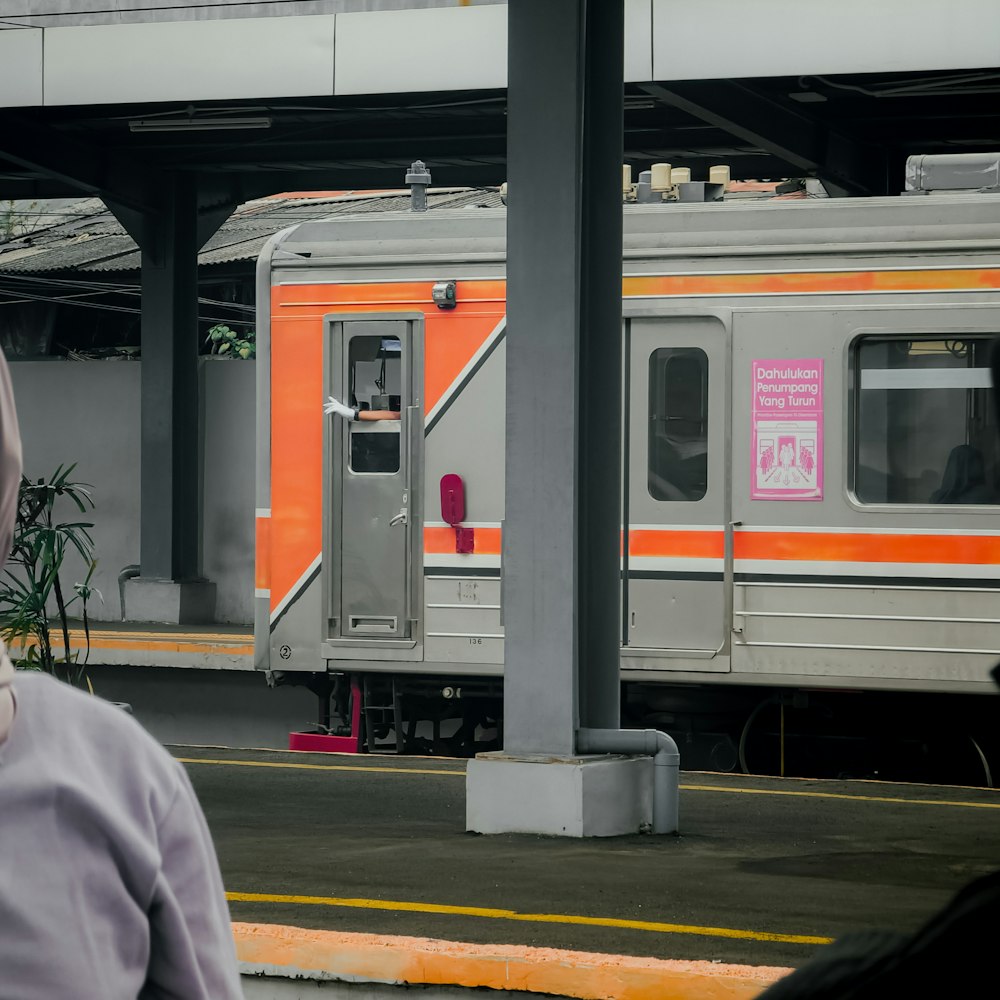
(925, 431)
(374, 379)
(678, 424)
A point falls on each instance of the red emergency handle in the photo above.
(452, 499)
(453, 512)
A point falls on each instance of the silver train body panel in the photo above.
(871, 583)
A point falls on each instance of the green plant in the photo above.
(226, 341)
(18, 221)
(32, 578)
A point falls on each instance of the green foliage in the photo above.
(32, 578)
(16, 221)
(228, 342)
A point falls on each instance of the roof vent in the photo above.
(418, 179)
(952, 172)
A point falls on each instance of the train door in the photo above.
(678, 557)
(372, 522)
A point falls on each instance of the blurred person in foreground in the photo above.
(109, 884)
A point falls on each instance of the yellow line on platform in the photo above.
(841, 795)
(684, 788)
(315, 767)
(541, 918)
(239, 638)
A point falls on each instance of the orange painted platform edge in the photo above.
(423, 961)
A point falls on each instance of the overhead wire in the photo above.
(101, 287)
(105, 306)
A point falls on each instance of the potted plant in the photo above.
(32, 580)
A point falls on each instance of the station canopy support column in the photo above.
(561, 539)
(169, 587)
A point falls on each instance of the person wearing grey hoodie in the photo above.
(109, 884)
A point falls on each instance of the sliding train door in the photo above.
(372, 525)
(678, 555)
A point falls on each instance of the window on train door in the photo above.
(374, 381)
(678, 424)
(924, 426)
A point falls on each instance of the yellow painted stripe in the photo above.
(219, 644)
(113, 633)
(238, 638)
(535, 918)
(840, 795)
(154, 646)
(315, 767)
(312, 954)
(956, 803)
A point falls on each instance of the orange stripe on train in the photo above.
(441, 541)
(818, 282)
(451, 337)
(802, 546)
(867, 548)
(678, 544)
(262, 550)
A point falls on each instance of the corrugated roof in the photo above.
(93, 240)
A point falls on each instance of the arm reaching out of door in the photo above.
(339, 409)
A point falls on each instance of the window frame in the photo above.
(852, 408)
(705, 364)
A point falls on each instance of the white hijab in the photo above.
(10, 481)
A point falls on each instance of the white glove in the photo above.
(335, 406)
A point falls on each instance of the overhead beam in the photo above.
(32, 188)
(82, 167)
(265, 182)
(804, 143)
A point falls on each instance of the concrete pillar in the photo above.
(169, 587)
(561, 557)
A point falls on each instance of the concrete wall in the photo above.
(88, 413)
(229, 453)
(63, 13)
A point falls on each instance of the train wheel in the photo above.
(787, 739)
(940, 758)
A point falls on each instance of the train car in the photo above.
(811, 472)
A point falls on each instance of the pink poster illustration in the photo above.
(787, 429)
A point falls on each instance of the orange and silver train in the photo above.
(811, 471)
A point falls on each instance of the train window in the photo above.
(374, 379)
(678, 424)
(374, 452)
(925, 432)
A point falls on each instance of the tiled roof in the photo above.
(92, 240)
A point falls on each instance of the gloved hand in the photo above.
(335, 406)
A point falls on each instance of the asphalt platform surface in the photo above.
(764, 870)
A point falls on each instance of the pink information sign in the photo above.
(787, 438)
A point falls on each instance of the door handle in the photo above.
(400, 518)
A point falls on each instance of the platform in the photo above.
(151, 644)
(766, 870)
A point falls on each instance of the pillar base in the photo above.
(191, 602)
(599, 796)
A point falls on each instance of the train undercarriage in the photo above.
(875, 735)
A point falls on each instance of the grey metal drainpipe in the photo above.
(666, 766)
(128, 573)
